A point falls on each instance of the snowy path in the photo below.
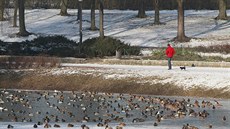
(192, 76)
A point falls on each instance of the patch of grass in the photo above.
(181, 54)
(186, 54)
(207, 92)
(19, 62)
(82, 82)
(225, 49)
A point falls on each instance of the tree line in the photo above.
(123, 4)
(141, 6)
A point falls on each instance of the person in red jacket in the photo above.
(169, 53)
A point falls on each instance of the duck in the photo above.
(218, 104)
(85, 119)
(119, 127)
(10, 126)
(84, 126)
(70, 125)
(108, 127)
(213, 107)
(47, 125)
(1, 101)
(192, 113)
(57, 126)
(100, 124)
(35, 126)
(122, 124)
(203, 114)
(224, 118)
(2, 109)
(39, 123)
(209, 126)
(203, 104)
(196, 104)
(187, 126)
(135, 120)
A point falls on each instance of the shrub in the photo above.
(186, 54)
(97, 47)
(225, 48)
(181, 54)
(62, 47)
(51, 46)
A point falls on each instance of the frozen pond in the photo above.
(136, 111)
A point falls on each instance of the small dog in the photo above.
(193, 65)
(182, 68)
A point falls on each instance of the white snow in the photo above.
(193, 76)
(123, 25)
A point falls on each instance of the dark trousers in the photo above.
(169, 63)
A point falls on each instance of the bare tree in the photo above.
(80, 19)
(141, 10)
(101, 13)
(79, 10)
(222, 10)
(157, 13)
(63, 5)
(22, 27)
(93, 26)
(15, 13)
(2, 7)
(180, 29)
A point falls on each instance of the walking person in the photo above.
(169, 53)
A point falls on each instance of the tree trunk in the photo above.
(78, 11)
(2, 6)
(22, 27)
(141, 10)
(64, 7)
(93, 26)
(80, 18)
(15, 13)
(101, 13)
(180, 29)
(157, 12)
(222, 10)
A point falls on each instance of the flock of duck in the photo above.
(50, 108)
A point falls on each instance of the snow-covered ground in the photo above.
(125, 26)
(192, 76)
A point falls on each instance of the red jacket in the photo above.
(170, 51)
